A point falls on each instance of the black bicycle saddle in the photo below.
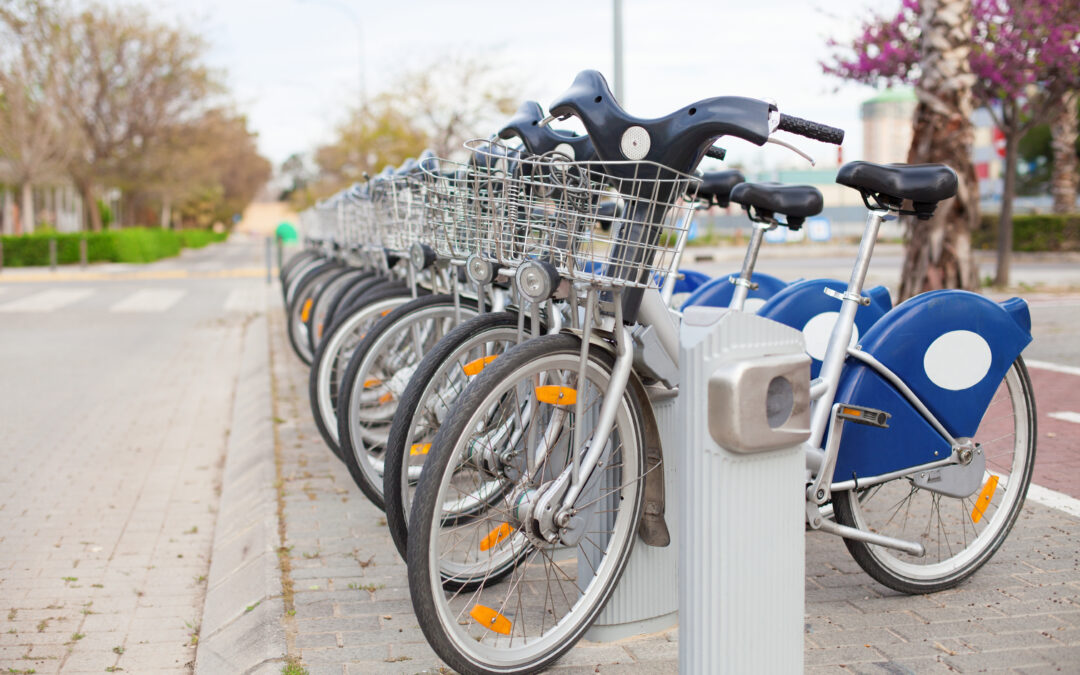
(716, 186)
(890, 184)
(796, 202)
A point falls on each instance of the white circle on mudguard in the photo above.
(957, 360)
(818, 330)
(566, 150)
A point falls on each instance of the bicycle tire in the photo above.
(299, 308)
(483, 329)
(354, 448)
(460, 640)
(864, 510)
(333, 355)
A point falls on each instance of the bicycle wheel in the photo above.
(332, 357)
(321, 304)
(959, 535)
(299, 311)
(292, 264)
(377, 374)
(434, 388)
(491, 593)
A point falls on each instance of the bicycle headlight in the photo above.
(421, 256)
(479, 271)
(537, 280)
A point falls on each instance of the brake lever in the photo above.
(791, 147)
(551, 118)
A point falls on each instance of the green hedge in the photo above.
(129, 245)
(1042, 232)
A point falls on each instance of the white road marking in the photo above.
(149, 300)
(1055, 367)
(249, 299)
(1054, 499)
(46, 301)
(1066, 416)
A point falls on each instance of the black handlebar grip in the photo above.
(716, 152)
(813, 130)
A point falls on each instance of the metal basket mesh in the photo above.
(550, 208)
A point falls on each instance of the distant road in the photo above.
(263, 217)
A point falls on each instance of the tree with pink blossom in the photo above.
(1024, 60)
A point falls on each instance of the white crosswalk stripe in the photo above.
(47, 301)
(250, 299)
(1066, 416)
(149, 300)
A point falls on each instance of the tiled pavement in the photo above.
(111, 464)
(352, 613)
(112, 435)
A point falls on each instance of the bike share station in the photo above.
(734, 474)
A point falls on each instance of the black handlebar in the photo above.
(539, 140)
(811, 130)
(716, 152)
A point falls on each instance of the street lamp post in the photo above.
(355, 18)
(616, 13)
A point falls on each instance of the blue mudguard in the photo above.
(691, 281)
(717, 292)
(804, 305)
(952, 348)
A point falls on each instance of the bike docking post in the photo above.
(743, 412)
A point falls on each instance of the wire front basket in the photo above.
(608, 224)
(398, 210)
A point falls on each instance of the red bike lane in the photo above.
(1057, 401)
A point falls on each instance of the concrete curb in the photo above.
(241, 630)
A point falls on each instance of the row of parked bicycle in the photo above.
(486, 339)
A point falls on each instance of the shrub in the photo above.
(1035, 232)
(130, 245)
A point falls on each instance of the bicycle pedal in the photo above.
(861, 415)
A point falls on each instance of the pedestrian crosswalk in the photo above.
(46, 301)
(24, 299)
(147, 300)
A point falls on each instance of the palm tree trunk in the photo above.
(938, 251)
(1063, 133)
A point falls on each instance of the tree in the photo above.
(456, 98)
(439, 107)
(127, 82)
(1064, 179)
(1025, 55)
(930, 46)
(33, 136)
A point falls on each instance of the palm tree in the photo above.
(938, 252)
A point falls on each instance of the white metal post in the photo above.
(743, 408)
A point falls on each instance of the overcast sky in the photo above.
(293, 64)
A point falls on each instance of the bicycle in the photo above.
(550, 443)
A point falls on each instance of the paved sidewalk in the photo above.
(111, 463)
(353, 615)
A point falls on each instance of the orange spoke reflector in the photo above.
(984, 499)
(418, 449)
(490, 619)
(372, 382)
(305, 311)
(496, 536)
(473, 367)
(318, 331)
(556, 395)
(386, 398)
(385, 312)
